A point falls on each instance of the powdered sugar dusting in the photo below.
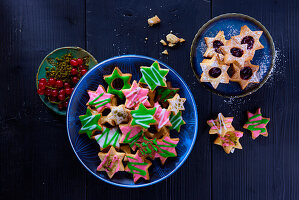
(232, 31)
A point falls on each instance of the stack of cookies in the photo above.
(230, 60)
(132, 122)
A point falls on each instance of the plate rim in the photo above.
(61, 113)
(192, 102)
(232, 15)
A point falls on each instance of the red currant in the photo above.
(80, 61)
(62, 91)
(53, 99)
(48, 92)
(74, 71)
(83, 71)
(48, 84)
(68, 91)
(59, 83)
(74, 63)
(43, 80)
(60, 106)
(66, 85)
(54, 93)
(40, 91)
(61, 97)
(66, 104)
(75, 79)
(52, 81)
(42, 85)
(80, 67)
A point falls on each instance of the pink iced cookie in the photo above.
(136, 95)
(220, 125)
(166, 148)
(99, 98)
(162, 116)
(131, 135)
(257, 124)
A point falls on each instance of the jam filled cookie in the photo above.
(245, 74)
(257, 124)
(90, 122)
(230, 141)
(111, 162)
(136, 95)
(251, 38)
(131, 135)
(109, 137)
(143, 117)
(99, 99)
(220, 125)
(138, 166)
(119, 114)
(153, 76)
(213, 44)
(117, 81)
(214, 72)
(235, 52)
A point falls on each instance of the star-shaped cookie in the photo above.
(176, 121)
(162, 116)
(257, 124)
(117, 81)
(109, 137)
(176, 104)
(111, 162)
(214, 72)
(250, 38)
(245, 74)
(99, 98)
(119, 114)
(90, 122)
(213, 44)
(166, 147)
(230, 141)
(131, 135)
(220, 125)
(136, 95)
(143, 117)
(138, 166)
(153, 76)
(235, 53)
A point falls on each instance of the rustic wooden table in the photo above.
(36, 159)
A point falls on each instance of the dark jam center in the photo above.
(245, 73)
(249, 41)
(216, 45)
(236, 52)
(118, 84)
(231, 70)
(215, 72)
(152, 129)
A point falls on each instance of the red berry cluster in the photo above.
(57, 91)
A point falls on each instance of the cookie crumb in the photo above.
(171, 38)
(163, 42)
(165, 52)
(171, 44)
(154, 20)
(182, 40)
(146, 38)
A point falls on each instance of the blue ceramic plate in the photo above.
(231, 24)
(86, 150)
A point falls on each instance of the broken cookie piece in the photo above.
(154, 20)
(163, 42)
(165, 52)
(171, 38)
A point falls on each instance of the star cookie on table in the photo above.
(176, 121)
(138, 166)
(90, 122)
(111, 162)
(131, 135)
(245, 74)
(214, 72)
(153, 76)
(235, 52)
(230, 141)
(99, 98)
(176, 104)
(250, 38)
(119, 114)
(257, 124)
(166, 147)
(109, 137)
(143, 117)
(117, 81)
(136, 95)
(162, 116)
(220, 125)
(213, 44)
